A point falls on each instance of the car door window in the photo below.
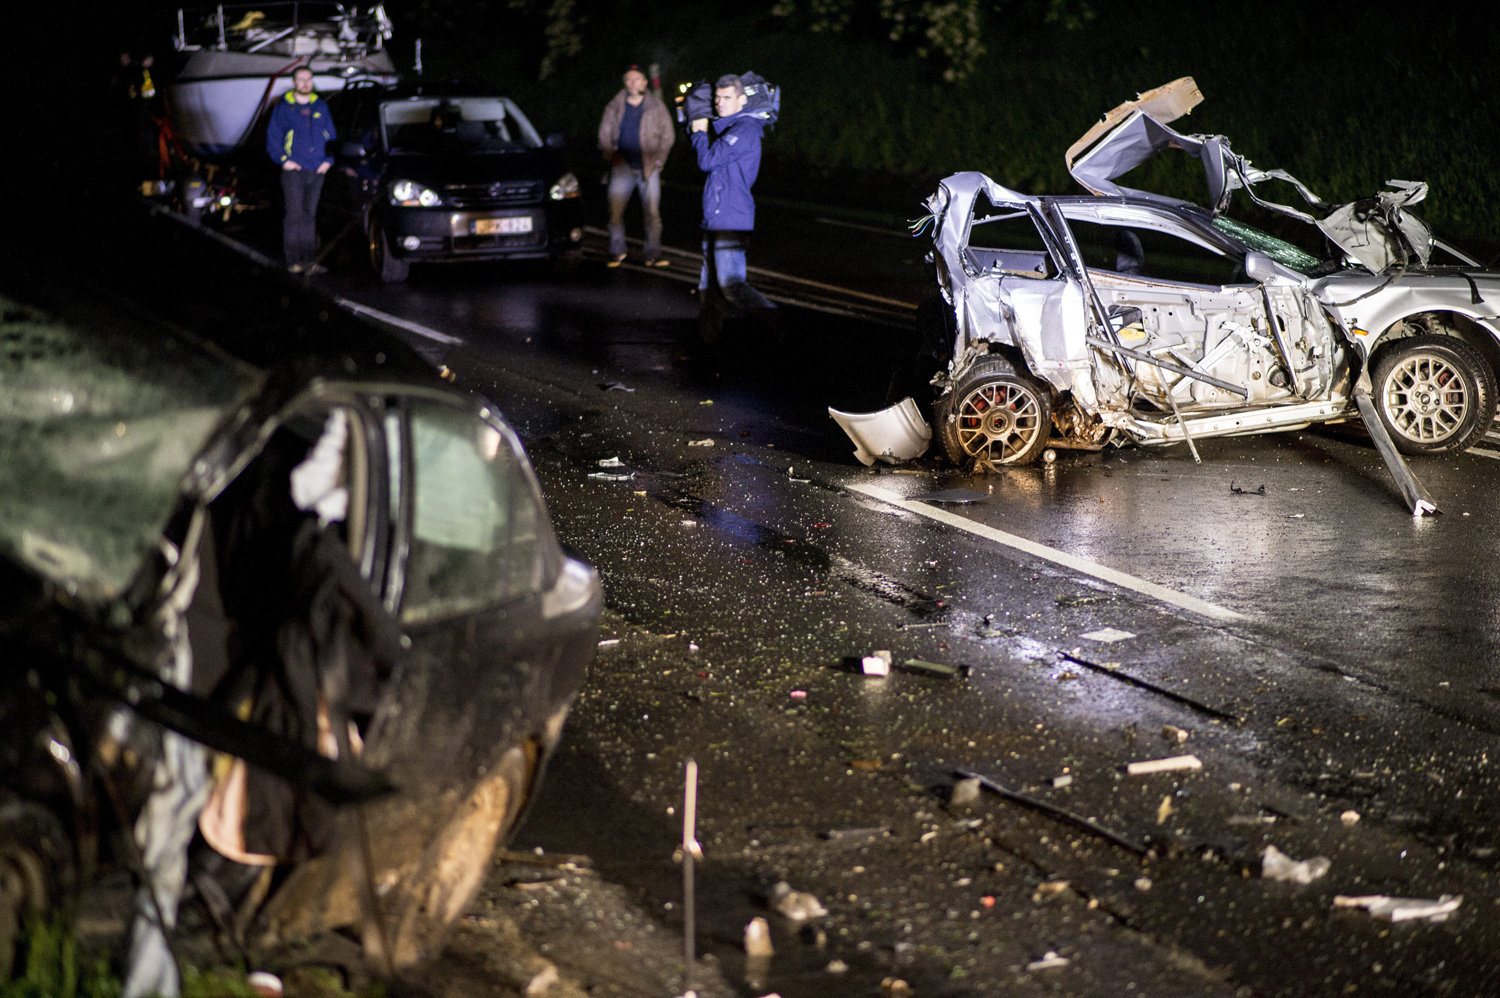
(1004, 240)
(1142, 252)
(474, 519)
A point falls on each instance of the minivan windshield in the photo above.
(456, 125)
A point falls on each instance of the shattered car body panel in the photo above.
(400, 630)
(1162, 320)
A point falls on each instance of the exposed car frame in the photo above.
(1048, 348)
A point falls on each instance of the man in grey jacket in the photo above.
(635, 136)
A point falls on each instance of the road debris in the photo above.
(965, 792)
(1049, 888)
(608, 642)
(758, 938)
(926, 668)
(892, 435)
(1143, 884)
(1168, 765)
(1277, 865)
(705, 442)
(1058, 782)
(1174, 734)
(1107, 635)
(955, 496)
(1164, 810)
(1054, 811)
(799, 694)
(791, 473)
(1246, 492)
(265, 985)
(1403, 909)
(895, 985)
(1350, 817)
(614, 386)
(611, 462)
(795, 906)
(837, 967)
(877, 663)
(856, 836)
(605, 476)
(1049, 961)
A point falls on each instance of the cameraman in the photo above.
(728, 151)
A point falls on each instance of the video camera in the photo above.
(696, 100)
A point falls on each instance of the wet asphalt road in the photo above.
(1324, 652)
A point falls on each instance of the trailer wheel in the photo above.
(390, 269)
(995, 414)
(1434, 394)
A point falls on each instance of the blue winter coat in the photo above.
(300, 132)
(732, 160)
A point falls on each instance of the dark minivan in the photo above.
(455, 176)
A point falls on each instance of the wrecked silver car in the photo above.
(1124, 315)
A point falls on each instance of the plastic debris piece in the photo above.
(1277, 865)
(1049, 961)
(892, 435)
(876, 664)
(611, 462)
(1174, 734)
(1403, 909)
(1169, 765)
(1143, 884)
(856, 836)
(895, 985)
(1164, 810)
(705, 442)
(543, 982)
(707, 402)
(758, 938)
(799, 694)
(614, 386)
(1350, 817)
(1052, 887)
(837, 967)
(988, 900)
(608, 642)
(921, 665)
(965, 792)
(1058, 782)
(1106, 635)
(605, 476)
(956, 496)
(797, 906)
(1246, 492)
(264, 984)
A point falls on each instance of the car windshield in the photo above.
(462, 125)
(1279, 250)
(99, 421)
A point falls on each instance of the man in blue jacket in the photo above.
(297, 141)
(728, 150)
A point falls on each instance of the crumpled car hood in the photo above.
(1378, 231)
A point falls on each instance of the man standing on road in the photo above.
(731, 158)
(635, 135)
(297, 140)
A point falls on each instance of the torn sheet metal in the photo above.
(891, 435)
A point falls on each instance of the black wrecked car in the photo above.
(446, 174)
(260, 563)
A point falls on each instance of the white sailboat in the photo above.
(240, 60)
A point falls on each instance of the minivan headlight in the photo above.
(566, 187)
(405, 192)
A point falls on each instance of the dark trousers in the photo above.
(299, 228)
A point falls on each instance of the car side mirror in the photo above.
(556, 140)
(1259, 268)
(352, 150)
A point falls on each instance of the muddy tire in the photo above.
(1434, 394)
(995, 414)
(389, 269)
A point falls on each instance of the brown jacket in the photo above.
(656, 131)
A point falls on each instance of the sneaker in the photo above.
(615, 261)
(658, 261)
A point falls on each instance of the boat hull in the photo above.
(219, 97)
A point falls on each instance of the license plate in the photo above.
(502, 226)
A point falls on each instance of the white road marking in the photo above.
(1493, 455)
(398, 322)
(1070, 561)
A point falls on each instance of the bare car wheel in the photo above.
(1434, 394)
(996, 414)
